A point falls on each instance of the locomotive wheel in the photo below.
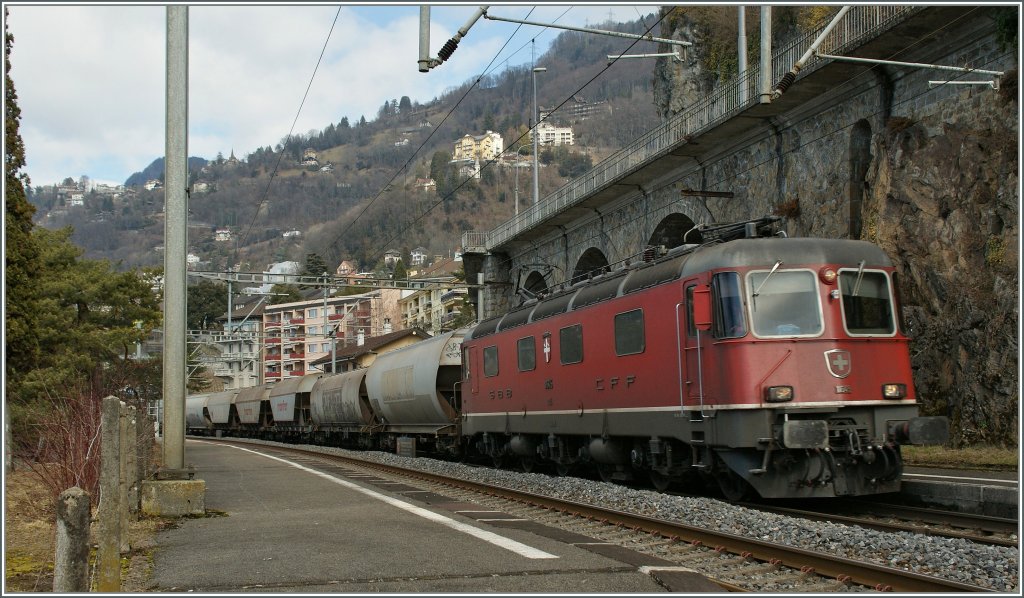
(527, 464)
(660, 481)
(733, 487)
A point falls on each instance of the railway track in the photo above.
(734, 562)
(899, 518)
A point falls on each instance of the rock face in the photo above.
(933, 178)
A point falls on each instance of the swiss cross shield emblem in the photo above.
(838, 362)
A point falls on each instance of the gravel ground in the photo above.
(960, 560)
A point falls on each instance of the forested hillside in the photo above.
(366, 201)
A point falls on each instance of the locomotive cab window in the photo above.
(570, 344)
(867, 303)
(527, 350)
(491, 361)
(629, 332)
(728, 306)
(784, 303)
(691, 329)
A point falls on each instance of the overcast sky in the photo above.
(90, 79)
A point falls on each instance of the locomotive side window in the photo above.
(527, 350)
(570, 344)
(691, 330)
(465, 363)
(784, 303)
(491, 361)
(867, 303)
(728, 312)
(629, 332)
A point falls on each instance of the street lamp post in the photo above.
(536, 132)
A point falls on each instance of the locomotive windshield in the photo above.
(784, 303)
(867, 303)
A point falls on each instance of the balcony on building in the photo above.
(272, 375)
(299, 320)
(273, 324)
(297, 372)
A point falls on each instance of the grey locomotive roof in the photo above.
(682, 263)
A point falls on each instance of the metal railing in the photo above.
(860, 24)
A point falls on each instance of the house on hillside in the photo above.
(550, 134)
(488, 146)
(426, 185)
(346, 268)
(391, 258)
(309, 157)
(222, 234)
(419, 256)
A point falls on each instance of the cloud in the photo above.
(91, 79)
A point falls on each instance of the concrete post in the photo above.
(131, 452)
(71, 562)
(175, 237)
(122, 480)
(108, 574)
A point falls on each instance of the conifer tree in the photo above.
(22, 253)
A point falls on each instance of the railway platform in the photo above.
(281, 526)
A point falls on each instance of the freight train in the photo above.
(765, 365)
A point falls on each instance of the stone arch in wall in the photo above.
(860, 160)
(535, 283)
(671, 230)
(591, 263)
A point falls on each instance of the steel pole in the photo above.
(175, 237)
(536, 134)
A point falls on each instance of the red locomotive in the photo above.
(773, 365)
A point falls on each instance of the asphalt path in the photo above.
(274, 525)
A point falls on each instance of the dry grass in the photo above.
(978, 457)
(29, 538)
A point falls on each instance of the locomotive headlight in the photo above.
(778, 394)
(827, 275)
(894, 391)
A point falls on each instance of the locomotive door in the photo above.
(696, 336)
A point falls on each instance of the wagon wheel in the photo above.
(660, 481)
(563, 469)
(733, 487)
(606, 472)
(498, 460)
(527, 464)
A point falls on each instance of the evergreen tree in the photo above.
(207, 300)
(22, 252)
(400, 272)
(315, 265)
